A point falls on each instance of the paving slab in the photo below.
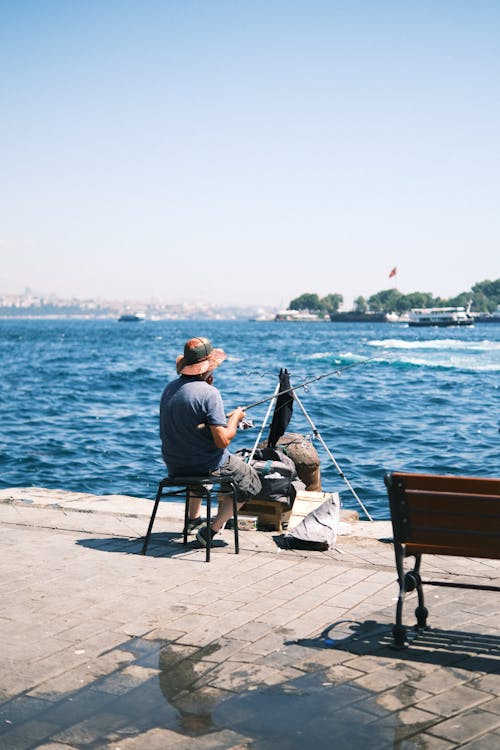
(106, 648)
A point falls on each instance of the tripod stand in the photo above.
(330, 455)
(317, 435)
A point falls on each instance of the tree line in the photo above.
(485, 297)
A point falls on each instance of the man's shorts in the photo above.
(246, 480)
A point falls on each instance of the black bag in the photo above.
(277, 474)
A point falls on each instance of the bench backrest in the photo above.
(445, 515)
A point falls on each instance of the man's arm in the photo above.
(223, 435)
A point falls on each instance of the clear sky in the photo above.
(247, 152)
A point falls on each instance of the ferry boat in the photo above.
(440, 316)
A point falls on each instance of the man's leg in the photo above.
(194, 506)
(247, 485)
(195, 521)
(225, 512)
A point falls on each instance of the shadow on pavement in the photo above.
(166, 685)
(472, 651)
(161, 544)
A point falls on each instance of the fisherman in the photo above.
(195, 434)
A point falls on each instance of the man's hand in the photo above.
(238, 414)
(223, 435)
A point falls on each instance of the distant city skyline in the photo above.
(246, 154)
(28, 294)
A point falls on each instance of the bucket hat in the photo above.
(199, 357)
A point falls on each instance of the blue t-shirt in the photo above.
(187, 450)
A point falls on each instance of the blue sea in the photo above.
(79, 399)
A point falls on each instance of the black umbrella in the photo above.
(282, 411)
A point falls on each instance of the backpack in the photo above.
(277, 474)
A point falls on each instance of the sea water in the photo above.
(79, 399)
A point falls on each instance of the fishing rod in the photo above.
(261, 431)
(247, 423)
(339, 371)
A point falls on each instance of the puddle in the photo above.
(176, 678)
(163, 685)
(311, 710)
(152, 685)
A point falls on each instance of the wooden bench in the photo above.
(440, 515)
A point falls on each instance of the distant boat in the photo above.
(135, 317)
(493, 317)
(264, 318)
(440, 316)
(298, 316)
(354, 316)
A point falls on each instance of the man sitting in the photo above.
(195, 434)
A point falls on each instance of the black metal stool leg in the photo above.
(209, 524)
(235, 523)
(204, 488)
(152, 519)
(186, 515)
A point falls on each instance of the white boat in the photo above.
(440, 316)
(263, 318)
(298, 316)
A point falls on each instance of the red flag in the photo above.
(393, 272)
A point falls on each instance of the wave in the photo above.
(439, 344)
(337, 358)
(322, 355)
(442, 354)
(459, 364)
(443, 358)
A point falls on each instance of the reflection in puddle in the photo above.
(312, 711)
(178, 673)
(168, 686)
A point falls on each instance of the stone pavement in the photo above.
(105, 648)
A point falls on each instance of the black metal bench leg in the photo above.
(152, 519)
(421, 612)
(399, 631)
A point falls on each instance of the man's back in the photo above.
(186, 403)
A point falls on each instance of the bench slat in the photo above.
(439, 519)
(444, 483)
(453, 502)
(487, 549)
(478, 545)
